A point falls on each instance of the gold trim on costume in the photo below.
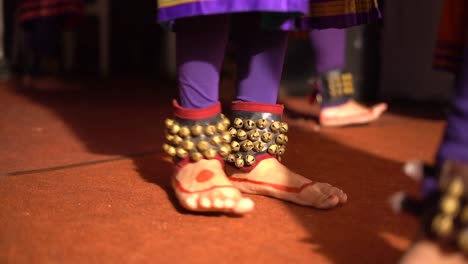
(169, 3)
(344, 7)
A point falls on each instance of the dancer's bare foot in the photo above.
(203, 186)
(427, 252)
(273, 179)
(351, 113)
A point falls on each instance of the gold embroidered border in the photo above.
(169, 3)
(343, 7)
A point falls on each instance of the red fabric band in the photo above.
(257, 107)
(195, 114)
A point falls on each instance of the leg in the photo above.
(261, 53)
(196, 135)
(337, 106)
(260, 60)
(199, 54)
(329, 48)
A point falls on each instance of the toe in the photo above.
(378, 109)
(330, 202)
(205, 203)
(229, 203)
(190, 202)
(243, 206)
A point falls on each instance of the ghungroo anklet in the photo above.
(257, 133)
(196, 134)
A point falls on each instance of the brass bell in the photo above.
(258, 146)
(238, 123)
(177, 140)
(284, 127)
(188, 145)
(169, 122)
(262, 123)
(203, 145)
(456, 187)
(254, 135)
(196, 156)
(166, 147)
(235, 146)
(449, 205)
(174, 129)
(182, 153)
(220, 127)
(442, 225)
(275, 126)
(215, 141)
(247, 145)
(249, 160)
(272, 149)
(226, 122)
(267, 137)
(462, 240)
(241, 134)
(171, 151)
(239, 163)
(184, 132)
(231, 158)
(210, 130)
(281, 150)
(196, 130)
(249, 124)
(282, 139)
(226, 137)
(169, 138)
(224, 150)
(232, 131)
(209, 153)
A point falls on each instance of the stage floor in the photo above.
(83, 179)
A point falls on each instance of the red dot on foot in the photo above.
(204, 175)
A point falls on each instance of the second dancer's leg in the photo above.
(333, 85)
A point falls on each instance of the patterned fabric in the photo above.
(339, 14)
(448, 53)
(283, 14)
(70, 10)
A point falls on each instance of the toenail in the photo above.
(204, 175)
(218, 203)
(191, 202)
(228, 203)
(205, 202)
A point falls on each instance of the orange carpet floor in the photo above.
(83, 179)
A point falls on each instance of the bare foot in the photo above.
(203, 186)
(273, 179)
(427, 252)
(351, 113)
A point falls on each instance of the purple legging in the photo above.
(329, 47)
(200, 46)
(454, 145)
